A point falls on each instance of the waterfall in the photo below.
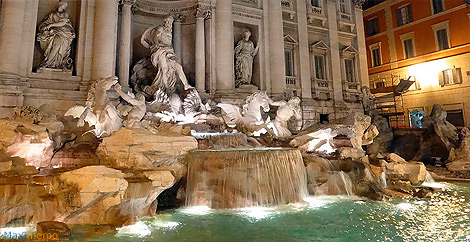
(428, 178)
(383, 180)
(234, 178)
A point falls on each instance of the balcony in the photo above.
(352, 91)
(322, 89)
(291, 80)
(316, 13)
(346, 20)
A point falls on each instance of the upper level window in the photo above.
(342, 6)
(320, 67)
(376, 59)
(442, 39)
(408, 47)
(437, 6)
(404, 15)
(372, 27)
(350, 70)
(315, 3)
(289, 62)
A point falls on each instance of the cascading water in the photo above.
(383, 179)
(235, 178)
(428, 178)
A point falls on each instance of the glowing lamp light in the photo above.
(427, 73)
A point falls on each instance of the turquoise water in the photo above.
(444, 217)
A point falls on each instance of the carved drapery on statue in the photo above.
(168, 70)
(245, 51)
(55, 37)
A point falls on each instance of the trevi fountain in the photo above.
(193, 120)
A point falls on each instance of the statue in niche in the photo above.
(284, 113)
(55, 37)
(245, 51)
(169, 71)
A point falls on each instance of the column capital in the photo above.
(127, 2)
(203, 11)
(179, 17)
(358, 3)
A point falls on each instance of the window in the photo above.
(450, 76)
(437, 6)
(315, 3)
(320, 67)
(372, 27)
(455, 117)
(404, 15)
(350, 70)
(376, 60)
(376, 54)
(342, 6)
(408, 47)
(289, 61)
(442, 40)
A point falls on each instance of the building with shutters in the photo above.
(428, 42)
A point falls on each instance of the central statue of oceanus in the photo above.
(169, 71)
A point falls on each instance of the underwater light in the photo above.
(256, 213)
(405, 206)
(170, 225)
(139, 229)
(433, 185)
(196, 210)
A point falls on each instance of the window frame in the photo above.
(374, 32)
(399, 15)
(433, 11)
(346, 7)
(354, 71)
(323, 57)
(405, 37)
(319, 3)
(292, 65)
(372, 48)
(441, 26)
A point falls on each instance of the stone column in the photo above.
(334, 46)
(177, 43)
(361, 42)
(276, 47)
(125, 43)
(104, 38)
(11, 34)
(304, 53)
(224, 46)
(201, 15)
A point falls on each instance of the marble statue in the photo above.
(250, 119)
(284, 112)
(245, 51)
(55, 37)
(139, 107)
(98, 111)
(169, 71)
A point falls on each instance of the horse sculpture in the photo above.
(98, 111)
(250, 120)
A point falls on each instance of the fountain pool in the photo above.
(444, 217)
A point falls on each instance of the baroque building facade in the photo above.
(427, 42)
(313, 49)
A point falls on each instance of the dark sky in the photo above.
(370, 3)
